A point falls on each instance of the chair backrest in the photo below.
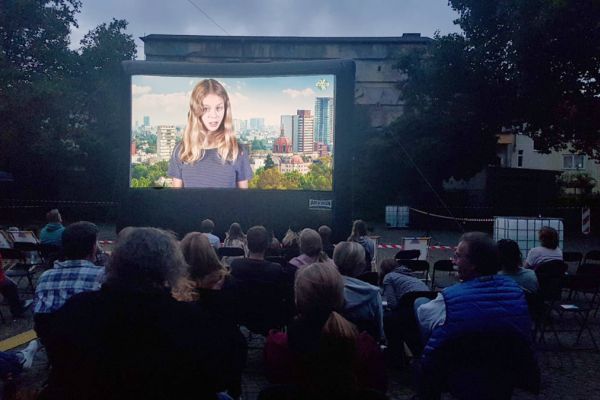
(415, 265)
(408, 254)
(369, 277)
(572, 256)
(11, 254)
(480, 366)
(592, 256)
(230, 252)
(551, 277)
(587, 278)
(443, 265)
(277, 259)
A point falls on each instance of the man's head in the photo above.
(476, 255)
(53, 217)
(207, 226)
(258, 239)
(79, 241)
(145, 259)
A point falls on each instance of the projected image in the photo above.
(273, 133)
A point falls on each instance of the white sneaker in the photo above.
(28, 353)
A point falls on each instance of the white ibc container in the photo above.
(396, 216)
(524, 230)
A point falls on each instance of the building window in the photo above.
(573, 161)
(520, 158)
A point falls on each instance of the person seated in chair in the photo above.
(52, 232)
(548, 251)
(311, 250)
(484, 303)
(74, 275)
(206, 227)
(510, 262)
(133, 340)
(363, 304)
(259, 283)
(397, 281)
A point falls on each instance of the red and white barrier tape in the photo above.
(399, 247)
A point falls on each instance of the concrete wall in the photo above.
(376, 91)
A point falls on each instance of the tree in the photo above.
(529, 65)
(269, 162)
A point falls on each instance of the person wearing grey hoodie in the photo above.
(398, 281)
(363, 304)
(52, 232)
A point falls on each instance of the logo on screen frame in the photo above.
(314, 204)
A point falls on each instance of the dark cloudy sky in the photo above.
(269, 17)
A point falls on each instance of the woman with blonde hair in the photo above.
(323, 354)
(209, 154)
(359, 235)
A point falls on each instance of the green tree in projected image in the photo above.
(143, 175)
(319, 177)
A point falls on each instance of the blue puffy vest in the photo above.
(488, 304)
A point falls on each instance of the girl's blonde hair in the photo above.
(195, 134)
(319, 289)
(204, 266)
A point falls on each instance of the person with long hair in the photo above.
(359, 235)
(235, 237)
(209, 154)
(323, 353)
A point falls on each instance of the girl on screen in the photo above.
(209, 156)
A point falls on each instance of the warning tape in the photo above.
(452, 218)
(400, 247)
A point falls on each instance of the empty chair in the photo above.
(572, 257)
(20, 267)
(408, 254)
(420, 266)
(230, 252)
(441, 265)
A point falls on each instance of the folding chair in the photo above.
(421, 266)
(20, 268)
(407, 255)
(591, 257)
(441, 265)
(573, 260)
(230, 252)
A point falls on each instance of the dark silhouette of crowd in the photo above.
(163, 317)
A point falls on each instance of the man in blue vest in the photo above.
(483, 305)
(483, 301)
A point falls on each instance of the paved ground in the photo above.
(566, 375)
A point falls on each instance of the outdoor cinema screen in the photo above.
(254, 132)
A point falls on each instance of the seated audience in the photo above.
(10, 292)
(311, 250)
(207, 227)
(548, 251)
(363, 304)
(51, 233)
(235, 238)
(483, 304)
(323, 354)
(397, 281)
(483, 301)
(133, 340)
(206, 277)
(359, 235)
(291, 238)
(264, 290)
(510, 262)
(325, 233)
(74, 275)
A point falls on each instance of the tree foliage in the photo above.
(532, 66)
(59, 107)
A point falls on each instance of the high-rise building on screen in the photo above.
(304, 130)
(146, 120)
(166, 139)
(324, 120)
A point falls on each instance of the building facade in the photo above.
(166, 139)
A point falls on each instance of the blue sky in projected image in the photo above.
(166, 99)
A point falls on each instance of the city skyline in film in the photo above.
(165, 100)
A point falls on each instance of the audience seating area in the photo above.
(562, 311)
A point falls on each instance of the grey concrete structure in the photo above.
(376, 91)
